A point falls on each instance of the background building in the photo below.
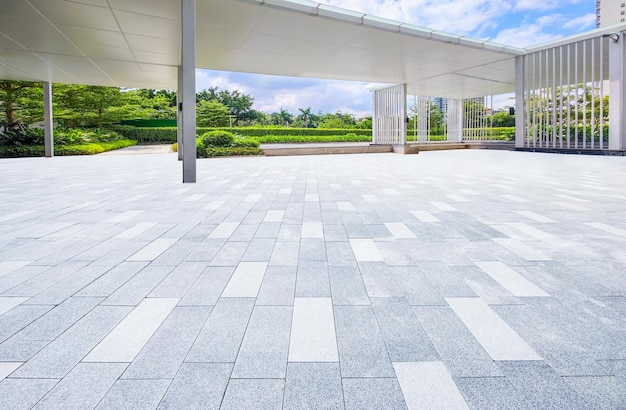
(610, 12)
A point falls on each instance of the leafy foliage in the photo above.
(21, 101)
(209, 152)
(218, 138)
(212, 114)
(296, 139)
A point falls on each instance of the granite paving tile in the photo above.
(313, 386)
(264, 349)
(404, 337)
(24, 393)
(83, 387)
(59, 357)
(220, 338)
(166, 350)
(372, 393)
(458, 349)
(362, 350)
(278, 286)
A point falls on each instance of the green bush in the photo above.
(167, 135)
(240, 141)
(11, 151)
(297, 139)
(109, 146)
(79, 149)
(61, 150)
(146, 135)
(218, 139)
(211, 152)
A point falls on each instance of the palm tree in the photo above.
(305, 116)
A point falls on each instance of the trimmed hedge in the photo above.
(296, 139)
(211, 152)
(159, 135)
(155, 122)
(62, 150)
(167, 135)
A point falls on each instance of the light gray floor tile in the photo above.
(372, 393)
(312, 250)
(207, 289)
(57, 320)
(58, 250)
(263, 352)
(278, 287)
(59, 357)
(130, 336)
(223, 331)
(254, 394)
(313, 386)
(83, 387)
(23, 393)
(541, 386)
(224, 230)
(246, 280)
(178, 282)
(230, 254)
(134, 394)
(312, 280)
(379, 280)
(404, 337)
(108, 283)
(153, 250)
(197, 386)
(428, 385)
(490, 393)
(347, 287)
(362, 350)
(493, 333)
(313, 337)
(601, 392)
(163, 355)
(457, 347)
(139, 286)
(365, 250)
(8, 303)
(510, 279)
(6, 368)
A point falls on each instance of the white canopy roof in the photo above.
(136, 43)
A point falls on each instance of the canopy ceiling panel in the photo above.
(136, 43)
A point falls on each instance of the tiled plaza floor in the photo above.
(450, 279)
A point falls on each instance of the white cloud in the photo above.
(543, 5)
(458, 16)
(528, 34)
(587, 21)
(273, 93)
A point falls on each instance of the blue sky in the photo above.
(517, 23)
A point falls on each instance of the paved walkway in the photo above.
(453, 279)
(141, 149)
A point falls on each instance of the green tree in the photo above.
(212, 114)
(239, 104)
(337, 120)
(21, 101)
(305, 117)
(502, 118)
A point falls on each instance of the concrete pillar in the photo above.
(189, 89)
(456, 107)
(179, 114)
(403, 114)
(520, 108)
(617, 93)
(48, 124)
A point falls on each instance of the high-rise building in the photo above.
(610, 12)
